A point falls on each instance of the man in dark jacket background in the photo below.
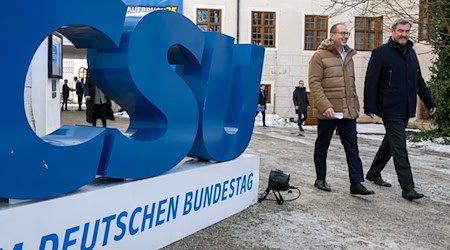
(98, 105)
(65, 95)
(301, 103)
(393, 80)
(262, 103)
(79, 91)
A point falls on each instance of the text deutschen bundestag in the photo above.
(145, 217)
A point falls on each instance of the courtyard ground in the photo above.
(331, 220)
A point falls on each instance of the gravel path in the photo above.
(336, 220)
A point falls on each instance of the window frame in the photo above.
(378, 32)
(315, 31)
(263, 28)
(208, 22)
(424, 20)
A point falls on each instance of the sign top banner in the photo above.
(173, 5)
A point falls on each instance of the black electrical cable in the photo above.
(289, 191)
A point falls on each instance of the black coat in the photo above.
(300, 99)
(65, 90)
(89, 90)
(79, 88)
(262, 100)
(393, 80)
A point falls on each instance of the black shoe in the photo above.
(378, 180)
(411, 194)
(264, 125)
(301, 129)
(79, 109)
(322, 185)
(358, 188)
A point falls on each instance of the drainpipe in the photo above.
(238, 11)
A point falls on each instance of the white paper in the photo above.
(338, 115)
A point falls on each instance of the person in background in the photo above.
(262, 104)
(79, 92)
(393, 80)
(333, 90)
(98, 105)
(301, 104)
(65, 95)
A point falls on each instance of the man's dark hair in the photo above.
(75, 78)
(400, 21)
(333, 28)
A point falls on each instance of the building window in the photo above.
(263, 28)
(315, 31)
(368, 33)
(268, 92)
(209, 19)
(424, 20)
(82, 73)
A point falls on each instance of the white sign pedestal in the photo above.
(143, 214)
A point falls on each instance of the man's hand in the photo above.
(372, 115)
(329, 112)
(432, 111)
(296, 107)
(88, 98)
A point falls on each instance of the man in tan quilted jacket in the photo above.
(332, 84)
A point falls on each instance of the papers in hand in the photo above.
(338, 115)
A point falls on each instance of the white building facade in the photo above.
(290, 31)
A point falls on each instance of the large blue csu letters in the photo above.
(187, 93)
(162, 108)
(31, 168)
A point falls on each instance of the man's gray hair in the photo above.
(400, 21)
(333, 28)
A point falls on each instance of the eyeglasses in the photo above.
(342, 33)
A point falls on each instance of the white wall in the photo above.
(283, 65)
(44, 114)
(286, 64)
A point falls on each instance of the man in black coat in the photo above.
(262, 104)
(393, 80)
(65, 95)
(301, 103)
(98, 105)
(79, 92)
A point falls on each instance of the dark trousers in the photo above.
(99, 112)
(301, 118)
(394, 144)
(80, 101)
(64, 104)
(263, 116)
(349, 139)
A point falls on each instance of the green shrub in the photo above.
(439, 29)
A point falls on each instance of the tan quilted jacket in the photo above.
(332, 83)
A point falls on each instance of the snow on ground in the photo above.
(122, 114)
(368, 131)
(273, 120)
